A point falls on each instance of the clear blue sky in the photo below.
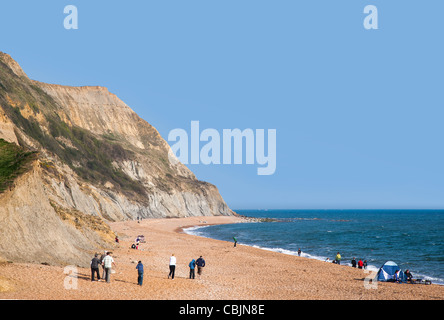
(359, 113)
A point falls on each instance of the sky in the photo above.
(358, 112)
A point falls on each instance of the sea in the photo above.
(411, 238)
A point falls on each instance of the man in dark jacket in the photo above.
(354, 262)
(139, 268)
(95, 262)
(200, 264)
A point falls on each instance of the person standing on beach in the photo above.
(338, 258)
(235, 241)
(200, 264)
(360, 264)
(299, 252)
(172, 266)
(192, 266)
(354, 262)
(139, 268)
(107, 262)
(95, 267)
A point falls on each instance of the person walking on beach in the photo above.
(139, 268)
(95, 268)
(200, 265)
(338, 258)
(192, 266)
(235, 241)
(299, 252)
(107, 262)
(172, 266)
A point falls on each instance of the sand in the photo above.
(240, 273)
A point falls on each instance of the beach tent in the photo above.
(388, 270)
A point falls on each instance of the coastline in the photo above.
(240, 273)
(194, 230)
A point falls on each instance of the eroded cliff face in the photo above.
(34, 229)
(172, 189)
(96, 158)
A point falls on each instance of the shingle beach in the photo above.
(231, 273)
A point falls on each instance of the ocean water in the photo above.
(411, 238)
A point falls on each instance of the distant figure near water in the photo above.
(409, 275)
(235, 241)
(396, 277)
(338, 258)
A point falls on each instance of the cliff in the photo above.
(94, 161)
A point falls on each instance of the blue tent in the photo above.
(388, 270)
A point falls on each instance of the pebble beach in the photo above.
(231, 273)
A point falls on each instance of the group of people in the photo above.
(107, 262)
(199, 263)
(136, 243)
(399, 279)
(360, 263)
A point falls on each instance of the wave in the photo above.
(194, 231)
(307, 255)
(370, 267)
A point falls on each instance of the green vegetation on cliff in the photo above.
(14, 161)
(88, 155)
